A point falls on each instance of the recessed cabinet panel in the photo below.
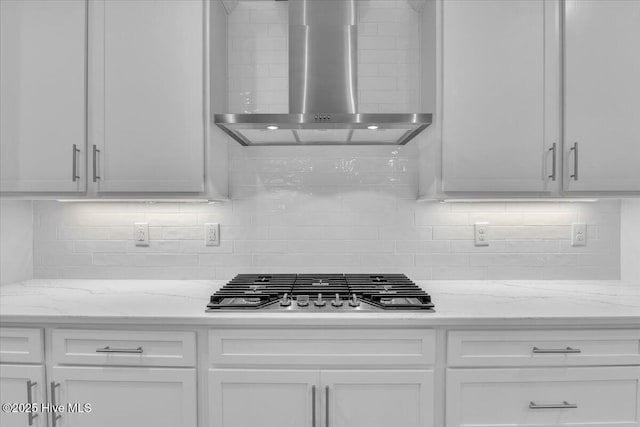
(580, 397)
(378, 398)
(144, 348)
(602, 95)
(314, 346)
(148, 121)
(42, 95)
(21, 345)
(22, 384)
(543, 348)
(126, 397)
(500, 96)
(266, 398)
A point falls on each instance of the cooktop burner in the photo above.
(320, 292)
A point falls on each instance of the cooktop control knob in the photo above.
(353, 302)
(337, 302)
(285, 301)
(303, 300)
(320, 302)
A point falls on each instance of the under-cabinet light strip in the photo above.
(519, 200)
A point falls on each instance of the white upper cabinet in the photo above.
(500, 96)
(602, 95)
(147, 84)
(43, 95)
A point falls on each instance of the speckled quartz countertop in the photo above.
(182, 302)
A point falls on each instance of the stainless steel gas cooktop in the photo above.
(320, 292)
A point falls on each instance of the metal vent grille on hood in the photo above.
(323, 88)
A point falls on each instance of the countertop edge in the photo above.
(309, 321)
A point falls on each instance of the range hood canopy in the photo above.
(323, 88)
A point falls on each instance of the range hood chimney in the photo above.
(323, 88)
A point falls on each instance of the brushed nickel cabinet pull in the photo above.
(54, 415)
(553, 150)
(95, 163)
(566, 350)
(108, 349)
(326, 406)
(563, 405)
(575, 161)
(74, 163)
(31, 415)
(313, 406)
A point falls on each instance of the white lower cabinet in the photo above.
(266, 398)
(579, 397)
(124, 397)
(336, 398)
(22, 384)
(378, 398)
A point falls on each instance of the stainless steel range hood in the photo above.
(323, 92)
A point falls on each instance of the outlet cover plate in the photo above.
(578, 234)
(482, 233)
(212, 234)
(141, 233)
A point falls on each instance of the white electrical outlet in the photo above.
(141, 233)
(212, 234)
(578, 234)
(482, 233)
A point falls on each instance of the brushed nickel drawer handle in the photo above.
(575, 161)
(74, 165)
(108, 349)
(96, 177)
(563, 405)
(326, 406)
(553, 150)
(313, 406)
(54, 415)
(31, 415)
(567, 350)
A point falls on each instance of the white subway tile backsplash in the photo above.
(260, 246)
(420, 246)
(327, 230)
(507, 259)
(442, 259)
(447, 272)
(453, 233)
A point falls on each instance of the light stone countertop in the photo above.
(457, 303)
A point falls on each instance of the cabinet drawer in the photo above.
(144, 348)
(543, 348)
(594, 397)
(21, 345)
(359, 347)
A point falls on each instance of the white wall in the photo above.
(630, 239)
(16, 244)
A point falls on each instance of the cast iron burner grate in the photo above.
(321, 292)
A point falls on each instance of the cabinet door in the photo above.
(501, 97)
(602, 95)
(148, 116)
(265, 398)
(42, 95)
(18, 383)
(378, 398)
(126, 397)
